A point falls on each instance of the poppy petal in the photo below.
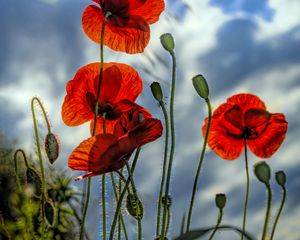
(111, 84)
(272, 137)
(255, 117)
(150, 10)
(133, 37)
(224, 145)
(87, 155)
(246, 101)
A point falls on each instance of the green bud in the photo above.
(220, 200)
(51, 147)
(201, 86)
(280, 178)
(167, 42)
(34, 180)
(156, 91)
(134, 206)
(262, 172)
(49, 213)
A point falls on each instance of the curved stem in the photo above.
(16, 167)
(121, 219)
(218, 224)
(113, 226)
(199, 166)
(247, 188)
(40, 155)
(164, 166)
(264, 234)
(163, 230)
(279, 211)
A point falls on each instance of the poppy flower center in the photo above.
(248, 124)
(119, 10)
(104, 108)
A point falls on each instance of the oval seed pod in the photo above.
(49, 213)
(51, 147)
(34, 179)
(280, 178)
(156, 91)
(167, 41)
(220, 200)
(134, 206)
(262, 172)
(201, 86)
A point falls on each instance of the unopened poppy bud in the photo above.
(201, 86)
(262, 172)
(134, 206)
(49, 213)
(51, 147)
(156, 91)
(34, 180)
(280, 178)
(166, 201)
(220, 200)
(167, 42)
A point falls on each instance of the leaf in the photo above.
(199, 233)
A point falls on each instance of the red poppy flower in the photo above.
(121, 85)
(244, 116)
(107, 152)
(127, 28)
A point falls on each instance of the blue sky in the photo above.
(239, 46)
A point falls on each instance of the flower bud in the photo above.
(49, 213)
(134, 206)
(156, 91)
(51, 147)
(34, 180)
(201, 86)
(262, 172)
(220, 200)
(167, 42)
(280, 178)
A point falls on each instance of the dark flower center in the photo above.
(105, 108)
(119, 10)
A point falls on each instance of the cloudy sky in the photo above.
(238, 45)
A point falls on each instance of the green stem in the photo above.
(119, 204)
(218, 224)
(135, 194)
(279, 211)
(120, 219)
(16, 167)
(199, 166)
(87, 199)
(168, 219)
(40, 155)
(164, 166)
(163, 232)
(103, 208)
(269, 190)
(247, 189)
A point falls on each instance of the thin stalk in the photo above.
(269, 190)
(168, 219)
(87, 199)
(140, 232)
(119, 204)
(163, 230)
(218, 224)
(164, 166)
(120, 219)
(199, 166)
(103, 189)
(16, 167)
(121, 214)
(247, 189)
(39, 153)
(279, 211)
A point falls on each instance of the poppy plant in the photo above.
(120, 87)
(245, 119)
(127, 27)
(105, 153)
